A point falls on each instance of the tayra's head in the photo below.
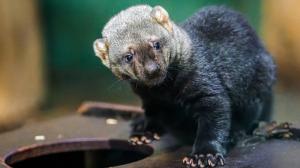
(136, 44)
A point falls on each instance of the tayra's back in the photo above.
(224, 42)
(227, 42)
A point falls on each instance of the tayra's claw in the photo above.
(220, 159)
(156, 136)
(185, 160)
(143, 139)
(204, 161)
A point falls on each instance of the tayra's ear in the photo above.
(162, 17)
(101, 51)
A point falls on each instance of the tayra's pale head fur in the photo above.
(139, 44)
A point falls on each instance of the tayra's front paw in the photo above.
(204, 161)
(145, 138)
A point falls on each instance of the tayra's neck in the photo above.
(182, 48)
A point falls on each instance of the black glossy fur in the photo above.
(225, 87)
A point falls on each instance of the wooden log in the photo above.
(21, 74)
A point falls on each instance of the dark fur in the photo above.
(225, 87)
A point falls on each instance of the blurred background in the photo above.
(47, 64)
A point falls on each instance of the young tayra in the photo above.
(201, 81)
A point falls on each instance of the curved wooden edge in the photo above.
(88, 107)
(3, 165)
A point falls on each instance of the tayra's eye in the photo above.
(156, 45)
(128, 58)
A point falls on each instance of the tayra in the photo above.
(202, 80)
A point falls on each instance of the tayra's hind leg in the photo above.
(144, 131)
(267, 110)
(256, 110)
(273, 130)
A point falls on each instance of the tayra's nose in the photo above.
(151, 69)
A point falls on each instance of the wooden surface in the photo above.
(168, 153)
